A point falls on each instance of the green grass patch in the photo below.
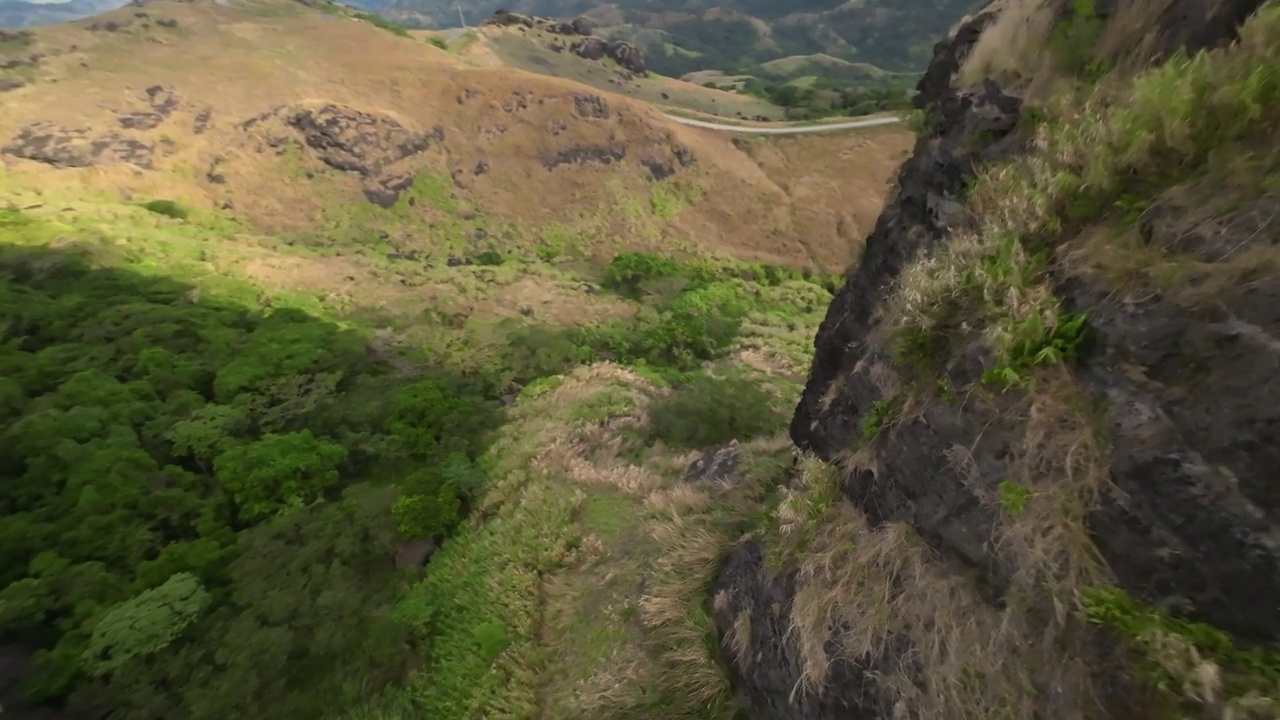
(1173, 654)
(378, 21)
(669, 196)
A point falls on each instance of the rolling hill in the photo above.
(21, 13)
(114, 100)
(680, 36)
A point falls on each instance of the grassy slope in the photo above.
(290, 192)
(528, 51)
(791, 64)
(579, 592)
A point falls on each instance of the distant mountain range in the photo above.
(20, 14)
(683, 36)
(678, 36)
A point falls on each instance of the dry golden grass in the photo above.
(242, 60)
(861, 591)
(1016, 49)
(623, 628)
(1012, 48)
(826, 210)
(694, 527)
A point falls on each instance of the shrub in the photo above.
(627, 272)
(168, 208)
(706, 411)
(490, 258)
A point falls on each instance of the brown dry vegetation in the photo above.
(862, 590)
(244, 60)
(1017, 48)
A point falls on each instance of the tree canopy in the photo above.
(200, 503)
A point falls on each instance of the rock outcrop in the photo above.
(628, 56)
(586, 46)
(506, 18)
(72, 147)
(1193, 410)
(374, 147)
(161, 102)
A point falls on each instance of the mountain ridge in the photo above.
(726, 36)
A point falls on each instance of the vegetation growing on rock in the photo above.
(992, 391)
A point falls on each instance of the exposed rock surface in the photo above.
(68, 147)
(1194, 407)
(371, 146)
(506, 18)
(585, 155)
(592, 48)
(161, 101)
(628, 56)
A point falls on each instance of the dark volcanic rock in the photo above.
(202, 121)
(368, 145)
(630, 57)
(14, 63)
(715, 465)
(658, 168)
(386, 191)
(577, 26)
(60, 146)
(162, 101)
(503, 18)
(590, 106)
(1194, 407)
(591, 48)
(586, 155)
(353, 141)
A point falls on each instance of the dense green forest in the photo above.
(201, 504)
(194, 516)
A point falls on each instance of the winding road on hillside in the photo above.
(789, 130)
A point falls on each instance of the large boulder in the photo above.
(630, 57)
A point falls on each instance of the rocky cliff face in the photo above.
(1183, 511)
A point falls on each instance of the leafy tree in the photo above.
(145, 623)
(279, 471)
(430, 510)
(150, 443)
(208, 431)
(707, 411)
